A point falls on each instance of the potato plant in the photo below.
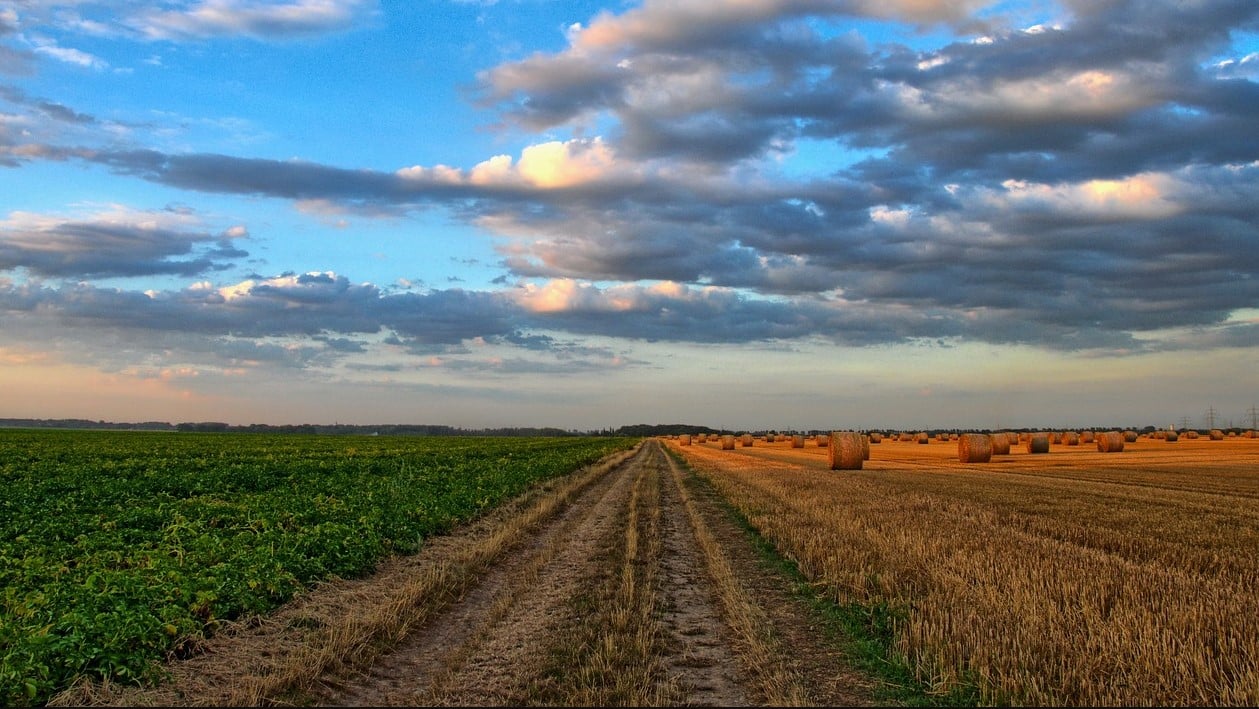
(119, 549)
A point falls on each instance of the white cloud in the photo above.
(49, 48)
(251, 18)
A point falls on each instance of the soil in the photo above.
(501, 636)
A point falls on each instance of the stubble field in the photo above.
(1074, 577)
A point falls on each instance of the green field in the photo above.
(118, 549)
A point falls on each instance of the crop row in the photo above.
(120, 548)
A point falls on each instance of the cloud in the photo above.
(179, 20)
(1083, 183)
(117, 242)
(69, 55)
(207, 19)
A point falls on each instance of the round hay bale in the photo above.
(1110, 442)
(1070, 438)
(797, 441)
(845, 450)
(974, 448)
(865, 447)
(1000, 443)
(746, 439)
(923, 438)
(1216, 434)
(684, 439)
(727, 442)
(1024, 437)
(1191, 435)
(905, 437)
(1086, 437)
(1130, 436)
(822, 441)
(1038, 443)
(876, 437)
(1171, 436)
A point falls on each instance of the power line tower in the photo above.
(1254, 417)
(1211, 417)
(1184, 423)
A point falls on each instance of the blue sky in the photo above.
(766, 214)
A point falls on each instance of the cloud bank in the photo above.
(710, 172)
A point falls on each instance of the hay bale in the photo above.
(1070, 438)
(923, 438)
(1000, 443)
(845, 450)
(1130, 436)
(1216, 434)
(1110, 442)
(727, 442)
(876, 437)
(822, 441)
(684, 439)
(1086, 437)
(746, 440)
(974, 448)
(1191, 435)
(865, 447)
(1171, 436)
(1038, 443)
(797, 441)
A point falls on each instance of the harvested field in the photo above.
(1071, 577)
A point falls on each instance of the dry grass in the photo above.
(1073, 577)
(758, 647)
(622, 666)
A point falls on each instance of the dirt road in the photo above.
(621, 584)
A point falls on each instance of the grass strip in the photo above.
(863, 633)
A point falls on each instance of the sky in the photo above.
(751, 214)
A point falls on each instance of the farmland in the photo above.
(121, 548)
(1076, 577)
(174, 568)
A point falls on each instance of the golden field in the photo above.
(1069, 578)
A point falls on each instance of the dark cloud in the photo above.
(47, 109)
(128, 244)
